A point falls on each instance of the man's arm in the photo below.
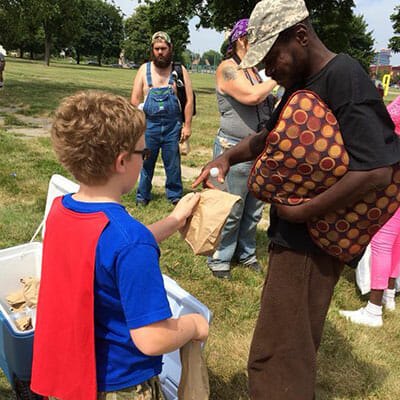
(352, 187)
(187, 128)
(137, 89)
(247, 149)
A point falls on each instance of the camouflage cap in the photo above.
(161, 36)
(268, 19)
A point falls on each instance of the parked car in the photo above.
(379, 85)
(93, 63)
(116, 65)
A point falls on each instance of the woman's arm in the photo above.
(232, 81)
(187, 128)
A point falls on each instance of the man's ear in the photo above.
(120, 162)
(302, 34)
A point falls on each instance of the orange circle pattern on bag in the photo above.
(305, 155)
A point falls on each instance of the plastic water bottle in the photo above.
(213, 179)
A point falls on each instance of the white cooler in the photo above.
(25, 260)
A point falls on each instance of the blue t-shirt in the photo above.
(128, 293)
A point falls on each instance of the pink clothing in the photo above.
(394, 111)
(385, 253)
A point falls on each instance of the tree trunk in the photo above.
(78, 57)
(47, 45)
(31, 54)
(21, 53)
(99, 60)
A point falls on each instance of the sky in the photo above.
(376, 13)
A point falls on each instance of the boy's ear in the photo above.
(119, 164)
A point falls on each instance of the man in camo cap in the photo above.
(301, 277)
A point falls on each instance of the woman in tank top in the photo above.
(245, 104)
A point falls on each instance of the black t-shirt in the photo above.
(366, 127)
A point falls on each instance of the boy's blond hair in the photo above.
(91, 129)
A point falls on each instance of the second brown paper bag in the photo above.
(203, 231)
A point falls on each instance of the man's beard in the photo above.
(162, 62)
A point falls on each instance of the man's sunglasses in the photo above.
(146, 153)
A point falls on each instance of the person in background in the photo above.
(101, 281)
(154, 82)
(385, 268)
(301, 277)
(245, 105)
(2, 65)
(385, 260)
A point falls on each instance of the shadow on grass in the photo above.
(341, 373)
(45, 97)
(235, 389)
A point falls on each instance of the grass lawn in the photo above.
(355, 363)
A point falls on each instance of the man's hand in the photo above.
(185, 132)
(297, 214)
(223, 166)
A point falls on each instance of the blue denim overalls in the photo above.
(163, 130)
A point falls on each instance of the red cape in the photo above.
(64, 363)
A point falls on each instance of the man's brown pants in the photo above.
(294, 303)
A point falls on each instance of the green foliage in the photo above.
(394, 42)
(213, 57)
(138, 35)
(361, 42)
(333, 20)
(101, 32)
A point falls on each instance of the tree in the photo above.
(361, 43)
(57, 17)
(138, 35)
(101, 30)
(17, 28)
(333, 20)
(394, 42)
(212, 56)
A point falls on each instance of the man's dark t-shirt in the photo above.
(366, 127)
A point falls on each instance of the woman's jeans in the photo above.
(238, 235)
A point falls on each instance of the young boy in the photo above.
(103, 318)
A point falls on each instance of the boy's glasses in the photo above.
(146, 153)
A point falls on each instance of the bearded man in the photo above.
(155, 83)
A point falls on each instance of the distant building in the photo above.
(382, 57)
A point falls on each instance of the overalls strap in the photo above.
(148, 75)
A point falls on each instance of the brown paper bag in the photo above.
(184, 147)
(194, 384)
(203, 230)
(31, 290)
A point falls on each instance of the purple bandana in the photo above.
(239, 30)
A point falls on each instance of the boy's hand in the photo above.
(184, 209)
(202, 328)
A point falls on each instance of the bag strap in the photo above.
(148, 75)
